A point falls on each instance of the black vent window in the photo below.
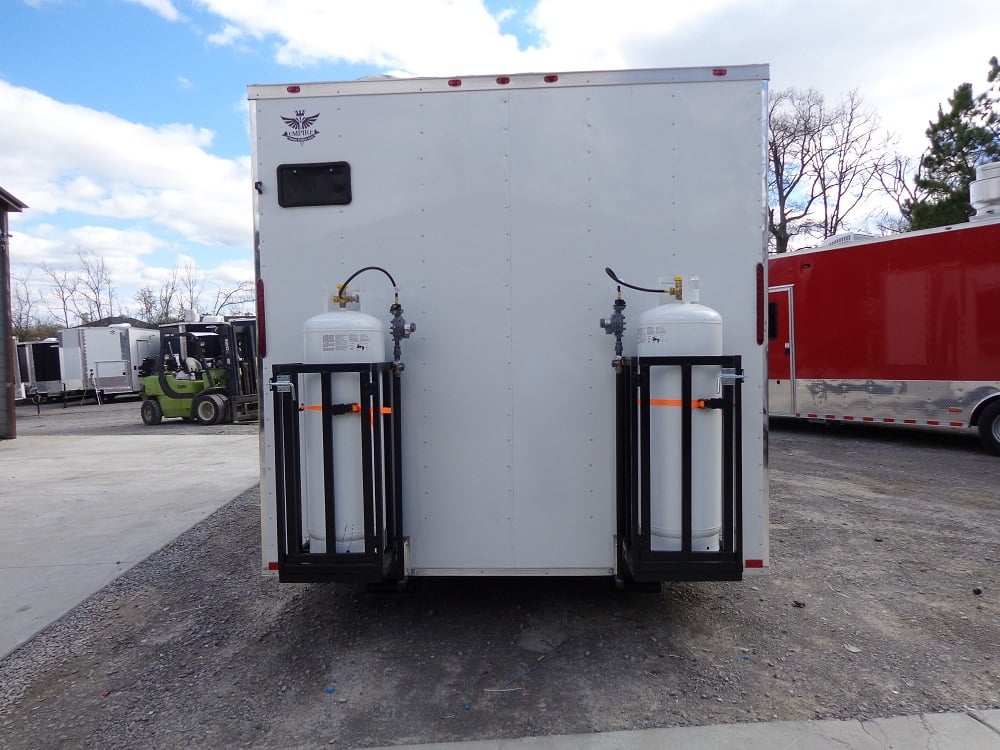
(327, 184)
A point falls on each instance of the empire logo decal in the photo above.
(300, 127)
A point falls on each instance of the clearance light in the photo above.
(293, 89)
(503, 80)
(753, 564)
(551, 79)
(455, 82)
(719, 72)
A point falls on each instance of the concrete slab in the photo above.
(989, 718)
(75, 512)
(948, 731)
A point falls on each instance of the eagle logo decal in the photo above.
(300, 127)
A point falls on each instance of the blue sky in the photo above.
(124, 122)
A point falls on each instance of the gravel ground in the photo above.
(883, 600)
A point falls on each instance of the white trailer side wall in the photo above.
(497, 210)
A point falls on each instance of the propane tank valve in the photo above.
(342, 299)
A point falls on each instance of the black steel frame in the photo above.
(381, 440)
(636, 558)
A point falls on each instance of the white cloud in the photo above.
(431, 37)
(902, 62)
(229, 35)
(164, 8)
(89, 162)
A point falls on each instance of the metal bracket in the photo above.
(282, 384)
(729, 376)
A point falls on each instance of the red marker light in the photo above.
(761, 299)
(551, 79)
(455, 82)
(719, 72)
(503, 80)
(261, 321)
(293, 89)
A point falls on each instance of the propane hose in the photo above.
(614, 278)
(360, 271)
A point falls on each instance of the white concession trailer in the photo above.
(576, 386)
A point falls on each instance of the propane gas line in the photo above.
(615, 325)
(676, 291)
(399, 329)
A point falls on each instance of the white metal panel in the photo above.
(439, 225)
(653, 182)
(497, 211)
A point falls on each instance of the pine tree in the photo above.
(963, 138)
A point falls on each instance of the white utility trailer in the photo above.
(508, 434)
(105, 359)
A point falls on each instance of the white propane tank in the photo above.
(670, 330)
(336, 337)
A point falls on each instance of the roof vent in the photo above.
(984, 193)
(844, 239)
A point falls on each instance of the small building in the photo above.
(8, 354)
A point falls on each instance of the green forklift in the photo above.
(206, 372)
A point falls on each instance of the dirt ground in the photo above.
(883, 599)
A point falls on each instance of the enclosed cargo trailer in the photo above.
(508, 435)
(39, 370)
(105, 360)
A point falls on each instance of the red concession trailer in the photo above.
(899, 330)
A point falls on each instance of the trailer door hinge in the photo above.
(282, 384)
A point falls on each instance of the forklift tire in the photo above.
(989, 428)
(209, 409)
(151, 411)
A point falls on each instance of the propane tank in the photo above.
(339, 336)
(683, 328)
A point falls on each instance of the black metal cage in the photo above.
(635, 452)
(380, 437)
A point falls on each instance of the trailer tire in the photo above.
(989, 428)
(151, 412)
(209, 409)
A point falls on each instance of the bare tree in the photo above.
(796, 121)
(158, 306)
(242, 297)
(824, 162)
(24, 303)
(192, 284)
(63, 286)
(148, 303)
(897, 184)
(96, 294)
(850, 159)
